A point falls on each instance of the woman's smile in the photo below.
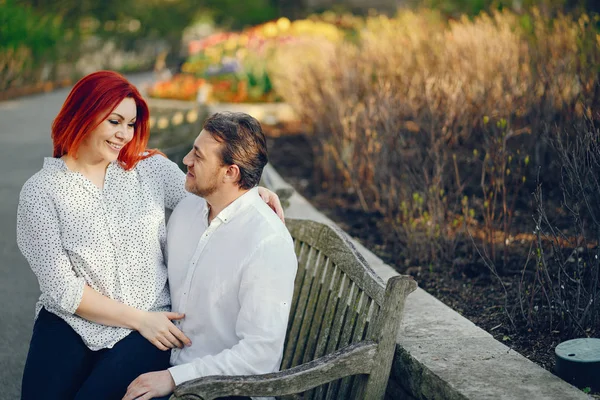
(114, 146)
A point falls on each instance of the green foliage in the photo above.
(28, 41)
(240, 14)
(125, 19)
(458, 7)
(455, 8)
(21, 26)
(165, 19)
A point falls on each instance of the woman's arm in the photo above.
(272, 200)
(156, 327)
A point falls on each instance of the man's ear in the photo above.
(232, 174)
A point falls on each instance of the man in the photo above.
(231, 262)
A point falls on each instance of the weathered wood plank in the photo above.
(351, 386)
(327, 328)
(375, 309)
(354, 359)
(358, 313)
(296, 323)
(321, 302)
(291, 397)
(330, 310)
(352, 300)
(318, 263)
(397, 290)
(299, 248)
(338, 247)
(339, 313)
(313, 334)
(337, 328)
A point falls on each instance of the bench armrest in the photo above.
(354, 359)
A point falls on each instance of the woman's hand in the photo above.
(272, 200)
(158, 329)
(154, 326)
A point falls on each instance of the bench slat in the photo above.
(339, 312)
(327, 323)
(314, 335)
(330, 308)
(356, 307)
(317, 269)
(355, 384)
(299, 248)
(304, 276)
(349, 316)
(323, 297)
(336, 244)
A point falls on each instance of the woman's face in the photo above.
(105, 142)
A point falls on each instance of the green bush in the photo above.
(457, 8)
(28, 40)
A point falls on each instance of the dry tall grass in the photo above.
(437, 123)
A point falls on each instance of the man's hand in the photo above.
(272, 200)
(150, 385)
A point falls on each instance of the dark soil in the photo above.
(480, 297)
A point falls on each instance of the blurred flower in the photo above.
(283, 24)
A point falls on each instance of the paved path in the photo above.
(24, 141)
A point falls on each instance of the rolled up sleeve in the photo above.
(174, 182)
(39, 239)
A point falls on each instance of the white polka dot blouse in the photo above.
(112, 239)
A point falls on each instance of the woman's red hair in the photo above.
(91, 100)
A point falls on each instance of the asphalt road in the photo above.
(24, 142)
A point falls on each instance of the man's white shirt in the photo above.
(234, 281)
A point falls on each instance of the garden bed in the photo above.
(463, 285)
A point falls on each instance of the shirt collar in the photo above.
(233, 209)
(54, 163)
(60, 165)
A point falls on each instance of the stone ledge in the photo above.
(442, 355)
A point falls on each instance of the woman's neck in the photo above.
(94, 171)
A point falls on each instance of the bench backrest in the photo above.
(338, 300)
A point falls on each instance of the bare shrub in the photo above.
(565, 293)
(406, 120)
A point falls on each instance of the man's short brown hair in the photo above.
(244, 144)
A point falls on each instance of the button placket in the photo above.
(194, 262)
(113, 233)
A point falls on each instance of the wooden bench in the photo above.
(342, 330)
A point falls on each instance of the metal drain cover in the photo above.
(578, 362)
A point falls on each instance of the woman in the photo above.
(91, 223)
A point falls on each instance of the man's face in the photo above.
(205, 169)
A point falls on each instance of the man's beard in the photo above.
(204, 191)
